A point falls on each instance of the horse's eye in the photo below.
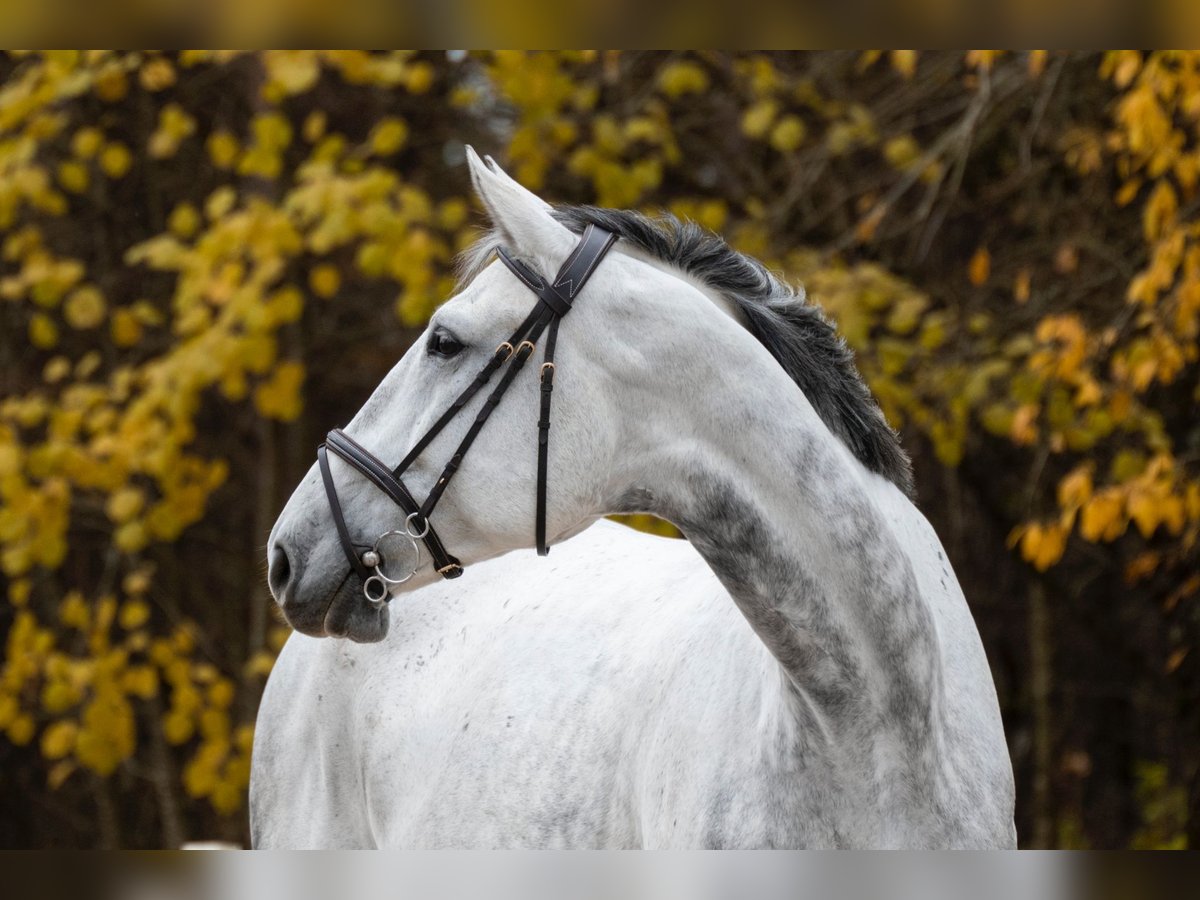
(443, 343)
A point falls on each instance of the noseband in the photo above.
(368, 561)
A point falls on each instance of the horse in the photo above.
(801, 671)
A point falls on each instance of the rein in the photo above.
(368, 562)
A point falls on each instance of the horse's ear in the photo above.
(520, 214)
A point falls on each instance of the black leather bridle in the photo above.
(554, 302)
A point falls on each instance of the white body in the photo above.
(612, 696)
(803, 672)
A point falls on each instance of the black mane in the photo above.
(795, 332)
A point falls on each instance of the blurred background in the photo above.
(207, 259)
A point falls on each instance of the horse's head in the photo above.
(613, 360)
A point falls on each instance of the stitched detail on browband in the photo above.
(601, 252)
(564, 274)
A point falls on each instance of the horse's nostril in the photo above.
(279, 571)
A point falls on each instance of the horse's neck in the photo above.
(793, 527)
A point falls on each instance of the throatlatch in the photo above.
(376, 564)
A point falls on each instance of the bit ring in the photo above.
(376, 602)
(387, 579)
(408, 526)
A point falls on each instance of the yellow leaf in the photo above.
(324, 280)
(221, 693)
(901, 151)
(177, 727)
(272, 131)
(174, 124)
(125, 328)
(141, 681)
(111, 83)
(87, 142)
(1128, 67)
(137, 582)
(59, 739)
(1023, 429)
(1075, 489)
(868, 59)
(295, 71)
(43, 333)
(1021, 286)
(56, 370)
(286, 304)
(788, 134)
(184, 220)
(1175, 660)
(125, 503)
(74, 611)
(758, 118)
(1141, 566)
(1043, 545)
(681, 78)
(18, 590)
(1128, 191)
(983, 59)
(1192, 501)
(226, 798)
(156, 75)
(1102, 516)
(388, 136)
(220, 202)
(314, 126)
(1066, 259)
(59, 696)
(1159, 213)
(1148, 511)
(10, 708)
(97, 752)
(418, 78)
(222, 149)
(260, 664)
(980, 267)
(280, 397)
(73, 176)
(905, 62)
(20, 730)
(115, 160)
(85, 308)
(134, 614)
(131, 537)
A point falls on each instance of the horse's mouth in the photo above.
(343, 613)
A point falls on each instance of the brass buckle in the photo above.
(524, 344)
(504, 344)
(547, 366)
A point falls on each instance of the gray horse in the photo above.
(803, 671)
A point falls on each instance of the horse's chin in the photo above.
(346, 615)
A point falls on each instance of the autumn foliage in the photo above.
(210, 257)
